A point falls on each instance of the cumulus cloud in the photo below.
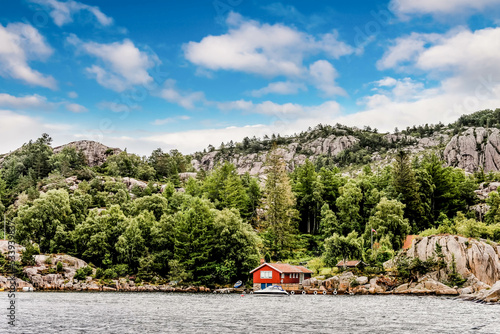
(464, 65)
(460, 58)
(187, 100)
(323, 75)
(72, 95)
(280, 87)
(325, 113)
(404, 8)
(62, 12)
(24, 102)
(123, 64)
(75, 108)
(282, 111)
(19, 129)
(19, 44)
(263, 49)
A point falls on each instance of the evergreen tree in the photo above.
(307, 189)
(406, 188)
(279, 202)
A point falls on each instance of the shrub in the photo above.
(454, 278)
(59, 267)
(28, 256)
(121, 270)
(99, 273)
(48, 260)
(110, 274)
(82, 273)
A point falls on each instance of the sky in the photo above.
(141, 75)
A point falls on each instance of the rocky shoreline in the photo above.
(476, 261)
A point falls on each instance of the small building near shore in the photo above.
(287, 276)
(351, 264)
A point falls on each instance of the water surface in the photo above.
(74, 312)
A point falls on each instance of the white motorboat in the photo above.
(273, 290)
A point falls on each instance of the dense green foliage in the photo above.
(214, 228)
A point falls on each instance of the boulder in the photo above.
(470, 255)
(362, 280)
(131, 183)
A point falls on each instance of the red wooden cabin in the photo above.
(279, 273)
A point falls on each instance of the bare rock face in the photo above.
(486, 188)
(95, 153)
(471, 256)
(18, 249)
(294, 154)
(473, 149)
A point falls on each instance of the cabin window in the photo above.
(282, 275)
(266, 274)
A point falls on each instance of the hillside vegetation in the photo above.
(149, 217)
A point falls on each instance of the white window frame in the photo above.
(282, 275)
(266, 274)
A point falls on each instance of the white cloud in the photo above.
(17, 129)
(264, 49)
(323, 75)
(187, 100)
(170, 120)
(404, 8)
(406, 49)
(464, 64)
(124, 65)
(62, 12)
(286, 111)
(280, 87)
(386, 82)
(75, 108)
(24, 102)
(460, 58)
(72, 95)
(196, 140)
(20, 43)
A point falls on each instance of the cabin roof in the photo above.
(284, 268)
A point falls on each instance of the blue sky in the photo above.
(185, 74)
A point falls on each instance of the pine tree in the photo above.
(406, 187)
(279, 202)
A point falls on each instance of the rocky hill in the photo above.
(344, 147)
(473, 149)
(95, 152)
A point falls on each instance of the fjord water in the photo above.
(75, 312)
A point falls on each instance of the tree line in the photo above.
(214, 228)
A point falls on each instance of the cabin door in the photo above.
(301, 278)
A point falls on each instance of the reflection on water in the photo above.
(72, 312)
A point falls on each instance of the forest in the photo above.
(212, 229)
